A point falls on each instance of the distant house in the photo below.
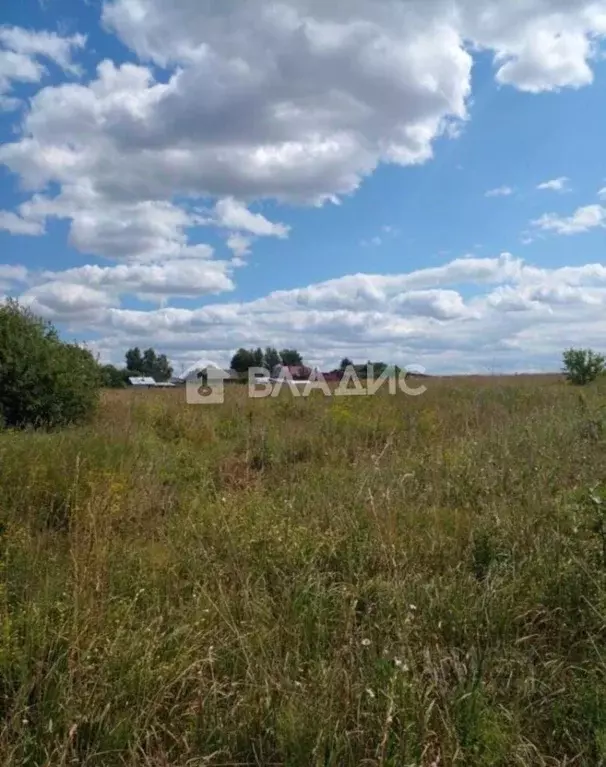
(147, 382)
(294, 372)
(142, 382)
(335, 376)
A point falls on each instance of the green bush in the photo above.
(44, 382)
(582, 366)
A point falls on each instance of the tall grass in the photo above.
(357, 581)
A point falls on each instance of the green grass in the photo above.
(357, 581)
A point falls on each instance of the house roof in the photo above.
(142, 381)
(294, 370)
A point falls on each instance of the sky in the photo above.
(421, 182)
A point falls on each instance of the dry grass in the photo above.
(364, 581)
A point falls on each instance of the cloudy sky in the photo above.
(417, 181)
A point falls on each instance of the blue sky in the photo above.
(416, 182)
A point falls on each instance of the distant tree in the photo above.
(112, 377)
(377, 368)
(149, 364)
(291, 357)
(582, 366)
(259, 358)
(44, 382)
(134, 361)
(156, 365)
(345, 363)
(362, 370)
(243, 360)
(271, 358)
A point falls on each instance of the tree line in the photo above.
(245, 359)
(137, 364)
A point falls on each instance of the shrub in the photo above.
(44, 382)
(582, 366)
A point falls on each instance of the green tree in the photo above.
(377, 369)
(134, 361)
(291, 357)
(243, 360)
(345, 363)
(112, 377)
(271, 358)
(259, 358)
(582, 366)
(44, 382)
(149, 364)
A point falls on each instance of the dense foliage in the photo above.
(44, 382)
(582, 366)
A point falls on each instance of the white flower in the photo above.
(370, 693)
(366, 643)
(412, 607)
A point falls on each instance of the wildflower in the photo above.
(370, 693)
(366, 643)
(412, 607)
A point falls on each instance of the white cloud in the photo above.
(10, 277)
(300, 100)
(295, 101)
(62, 301)
(602, 193)
(14, 224)
(555, 185)
(515, 313)
(582, 220)
(501, 191)
(148, 230)
(231, 214)
(239, 245)
(185, 278)
(20, 54)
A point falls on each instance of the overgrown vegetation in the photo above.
(583, 366)
(352, 581)
(44, 382)
(147, 363)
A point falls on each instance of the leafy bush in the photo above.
(582, 366)
(113, 378)
(43, 381)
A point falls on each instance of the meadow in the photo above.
(309, 582)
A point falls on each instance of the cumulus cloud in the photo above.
(60, 301)
(239, 245)
(21, 51)
(513, 311)
(297, 101)
(582, 220)
(555, 185)
(11, 275)
(13, 224)
(501, 191)
(231, 214)
(147, 230)
(178, 278)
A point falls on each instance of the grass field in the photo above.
(357, 581)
